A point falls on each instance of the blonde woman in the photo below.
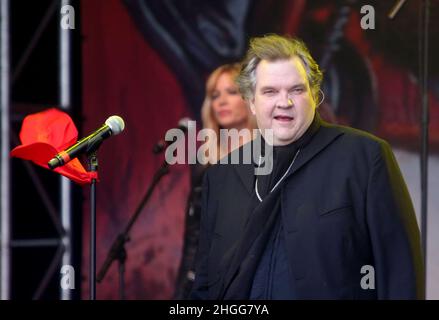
(223, 108)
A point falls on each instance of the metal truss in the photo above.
(60, 214)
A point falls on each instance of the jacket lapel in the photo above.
(323, 137)
(246, 174)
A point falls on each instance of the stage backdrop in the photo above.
(124, 76)
(147, 60)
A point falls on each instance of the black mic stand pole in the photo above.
(117, 250)
(93, 167)
(92, 160)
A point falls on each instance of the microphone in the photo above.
(113, 126)
(183, 125)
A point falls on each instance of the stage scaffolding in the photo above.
(60, 213)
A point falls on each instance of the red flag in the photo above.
(46, 133)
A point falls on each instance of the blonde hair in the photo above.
(207, 116)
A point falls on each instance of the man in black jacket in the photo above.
(332, 220)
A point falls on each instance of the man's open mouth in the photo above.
(284, 118)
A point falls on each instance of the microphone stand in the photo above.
(92, 159)
(117, 250)
(93, 166)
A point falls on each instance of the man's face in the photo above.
(283, 101)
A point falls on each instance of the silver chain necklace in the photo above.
(280, 180)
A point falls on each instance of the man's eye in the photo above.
(269, 92)
(298, 90)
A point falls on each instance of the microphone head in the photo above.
(116, 124)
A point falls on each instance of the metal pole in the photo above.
(33, 42)
(424, 34)
(93, 166)
(5, 148)
(65, 102)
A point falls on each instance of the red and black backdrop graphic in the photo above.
(124, 76)
(147, 60)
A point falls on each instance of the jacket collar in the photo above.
(324, 136)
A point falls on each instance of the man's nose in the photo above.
(285, 101)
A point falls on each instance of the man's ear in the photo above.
(251, 103)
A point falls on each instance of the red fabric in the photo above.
(46, 133)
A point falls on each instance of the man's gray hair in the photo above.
(273, 48)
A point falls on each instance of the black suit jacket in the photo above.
(345, 210)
